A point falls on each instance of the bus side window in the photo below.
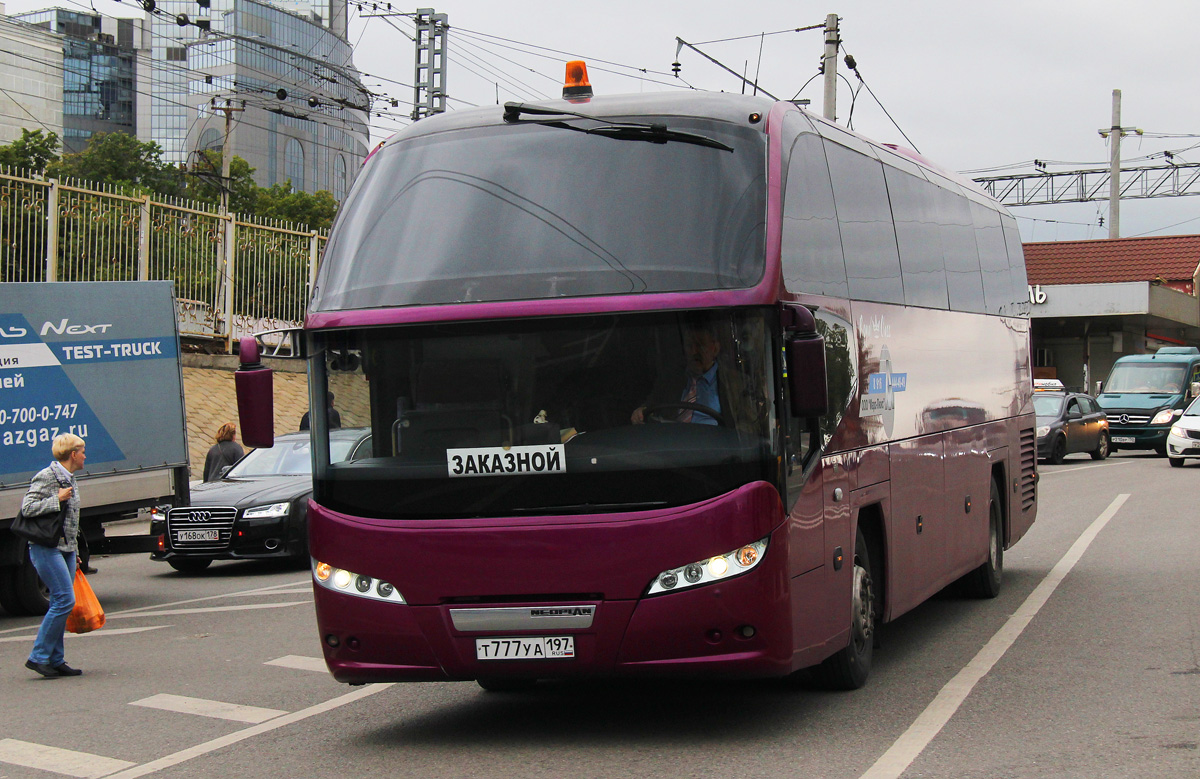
(812, 244)
(993, 260)
(957, 232)
(1016, 266)
(865, 219)
(914, 209)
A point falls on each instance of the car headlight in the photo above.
(1165, 416)
(1043, 431)
(1178, 431)
(273, 510)
(710, 569)
(351, 583)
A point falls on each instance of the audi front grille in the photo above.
(193, 527)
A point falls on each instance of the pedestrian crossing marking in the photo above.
(206, 708)
(93, 634)
(300, 663)
(59, 761)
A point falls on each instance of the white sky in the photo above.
(972, 84)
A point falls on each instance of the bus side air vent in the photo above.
(1028, 461)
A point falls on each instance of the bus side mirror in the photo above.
(255, 396)
(804, 351)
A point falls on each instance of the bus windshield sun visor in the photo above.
(622, 131)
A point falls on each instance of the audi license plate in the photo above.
(531, 648)
(198, 535)
(1123, 439)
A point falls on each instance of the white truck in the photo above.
(100, 360)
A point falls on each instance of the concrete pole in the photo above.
(829, 66)
(1114, 175)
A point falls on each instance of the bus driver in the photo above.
(697, 387)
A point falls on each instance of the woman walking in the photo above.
(224, 453)
(52, 486)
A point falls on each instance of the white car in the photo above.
(1184, 439)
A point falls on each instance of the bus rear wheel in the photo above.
(849, 668)
(984, 581)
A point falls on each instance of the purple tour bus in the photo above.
(646, 378)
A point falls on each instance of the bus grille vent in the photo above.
(1028, 465)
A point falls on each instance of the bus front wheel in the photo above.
(849, 668)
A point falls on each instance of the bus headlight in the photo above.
(709, 570)
(356, 584)
(1165, 416)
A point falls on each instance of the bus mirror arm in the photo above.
(255, 396)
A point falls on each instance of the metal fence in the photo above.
(234, 274)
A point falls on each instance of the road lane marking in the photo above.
(306, 589)
(271, 590)
(200, 750)
(59, 761)
(301, 663)
(909, 746)
(210, 609)
(1086, 467)
(105, 632)
(206, 708)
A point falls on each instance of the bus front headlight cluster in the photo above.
(351, 583)
(1165, 416)
(709, 570)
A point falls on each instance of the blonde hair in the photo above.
(65, 444)
(225, 432)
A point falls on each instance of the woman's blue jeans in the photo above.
(57, 570)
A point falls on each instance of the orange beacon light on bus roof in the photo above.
(576, 85)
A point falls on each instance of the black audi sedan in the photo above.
(258, 509)
(1069, 422)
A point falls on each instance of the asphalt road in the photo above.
(1087, 665)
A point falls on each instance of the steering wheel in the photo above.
(651, 413)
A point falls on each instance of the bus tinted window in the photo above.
(501, 217)
(1016, 264)
(812, 244)
(865, 218)
(993, 260)
(914, 207)
(543, 412)
(957, 231)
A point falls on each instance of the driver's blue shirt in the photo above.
(706, 395)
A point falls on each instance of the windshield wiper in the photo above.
(622, 131)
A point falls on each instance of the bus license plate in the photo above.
(1123, 439)
(198, 535)
(531, 648)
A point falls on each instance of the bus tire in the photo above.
(506, 685)
(984, 581)
(849, 667)
(189, 564)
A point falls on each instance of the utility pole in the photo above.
(226, 152)
(829, 67)
(1114, 135)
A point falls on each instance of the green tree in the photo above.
(33, 151)
(122, 161)
(282, 202)
(203, 184)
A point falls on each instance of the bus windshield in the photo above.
(1146, 377)
(570, 416)
(501, 217)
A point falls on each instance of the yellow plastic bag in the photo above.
(87, 614)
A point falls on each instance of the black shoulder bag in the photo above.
(41, 529)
